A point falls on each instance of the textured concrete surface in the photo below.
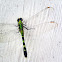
(43, 41)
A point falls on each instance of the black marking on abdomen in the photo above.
(24, 48)
(23, 43)
(22, 38)
(25, 53)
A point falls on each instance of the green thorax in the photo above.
(20, 24)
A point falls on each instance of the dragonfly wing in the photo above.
(44, 27)
(39, 17)
(31, 22)
(40, 20)
(8, 33)
(7, 28)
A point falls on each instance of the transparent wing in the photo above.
(46, 26)
(41, 20)
(39, 17)
(10, 31)
(4, 28)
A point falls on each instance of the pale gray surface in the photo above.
(44, 43)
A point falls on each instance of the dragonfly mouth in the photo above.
(19, 19)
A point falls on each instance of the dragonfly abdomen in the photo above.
(24, 49)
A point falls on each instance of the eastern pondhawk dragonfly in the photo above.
(6, 29)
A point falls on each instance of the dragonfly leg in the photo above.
(28, 28)
(16, 25)
(17, 32)
(24, 24)
(25, 27)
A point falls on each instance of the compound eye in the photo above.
(19, 19)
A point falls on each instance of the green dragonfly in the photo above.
(21, 26)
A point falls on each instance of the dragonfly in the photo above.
(21, 27)
(20, 24)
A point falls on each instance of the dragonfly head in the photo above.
(19, 19)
